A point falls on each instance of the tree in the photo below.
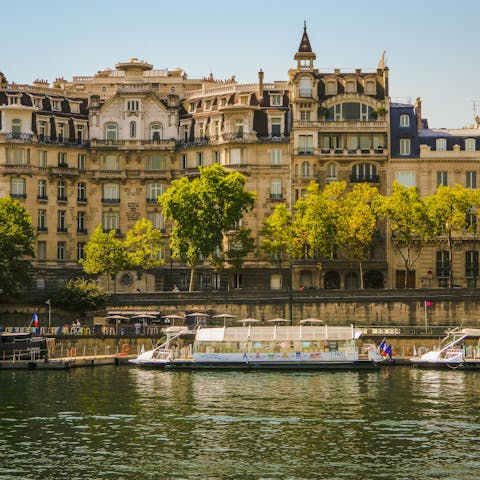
(104, 254)
(17, 238)
(277, 232)
(203, 211)
(449, 210)
(357, 224)
(408, 222)
(79, 295)
(144, 246)
(240, 245)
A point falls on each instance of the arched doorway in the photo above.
(331, 280)
(351, 281)
(373, 279)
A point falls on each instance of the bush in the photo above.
(80, 295)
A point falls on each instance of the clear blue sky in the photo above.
(431, 45)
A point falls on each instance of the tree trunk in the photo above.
(361, 274)
(192, 279)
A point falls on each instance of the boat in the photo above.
(455, 353)
(260, 347)
(22, 346)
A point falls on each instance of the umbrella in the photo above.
(278, 320)
(173, 316)
(248, 320)
(117, 317)
(144, 315)
(224, 316)
(310, 320)
(197, 314)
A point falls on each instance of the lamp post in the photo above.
(291, 287)
(49, 303)
(473, 211)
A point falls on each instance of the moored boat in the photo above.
(454, 353)
(262, 347)
(22, 346)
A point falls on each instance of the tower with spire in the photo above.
(305, 56)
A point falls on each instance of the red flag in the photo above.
(428, 303)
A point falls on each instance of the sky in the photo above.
(431, 45)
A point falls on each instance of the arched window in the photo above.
(404, 120)
(305, 87)
(306, 169)
(133, 129)
(156, 132)
(111, 131)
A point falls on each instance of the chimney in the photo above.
(260, 83)
(418, 113)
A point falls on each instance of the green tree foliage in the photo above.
(408, 222)
(277, 232)
(17, 238)
(240, 245)
(358, 222)
(449, 210)
(203, 210)
(144, 245)
(80, 295)
(104, 254)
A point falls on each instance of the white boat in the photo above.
(453, 354)
(274, 347)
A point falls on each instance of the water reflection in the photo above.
(129, 423)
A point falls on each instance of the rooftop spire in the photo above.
(305, 42)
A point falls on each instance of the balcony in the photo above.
(276, 196)
(62, 198)
(82, 200)
(354, 152)
(274, 139)
(42, 229)
(17, 137)
(152, 200)
(18, 195)
(16, 169)
(330, 125)
(65, 142)
(111, 200)
(364, 179)
(82, 231)
(42, 198)
(62, 230)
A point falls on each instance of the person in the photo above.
(175, 289)
(138, 290)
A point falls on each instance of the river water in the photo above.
(127, 423)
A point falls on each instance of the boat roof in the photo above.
(471, 332)
(276, 333)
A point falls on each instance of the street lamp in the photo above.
(49, 303)
(291, 287)
(473, 212)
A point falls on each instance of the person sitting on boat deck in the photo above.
(175, 289)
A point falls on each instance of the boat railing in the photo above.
(454, 352)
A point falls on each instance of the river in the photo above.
(127, 423)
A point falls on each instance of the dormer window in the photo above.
(441, 144)
(56, 104)
(74, 107)
(156, 132)
(223, 102)
(192, 107)
(276, 100)
(37, 102)
(14, 99)
(470, 144)
(208, 105)
(133, 105)
(351, 86)
(244, 99)
(370, 87)
(404, 120)
(331, 87)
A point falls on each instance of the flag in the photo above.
(382, 345)
(428, 303)
(388, 351)
(35, 319)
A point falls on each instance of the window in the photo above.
(404, 120)
(306, 169)
(42, 130)
(62, 159)
(61, 221)
(305, 87)
(18, 157)
(216, 128)
(42, 190)
(80, 250)
(331, 87)
(42, 220)
(276, 99)
(42, 158)
(110, 193)
(81, 223)
(443, 263)
(351, 86)
(17, 187)
(184, 160)
(154, 191)
(16, 125)
(81, 161)
(156, 132)
(111, 131)
(56, 104)
(109, 162)
(61, 191)
(305, 144)
(471, 179)
(111, 221)
(157, 162)
(61, 251)
(407, 179)
(41, 250)
(470, 144)
(370, 87)
(157, 220)
(405, 146)
(81, 192)
(235, 156)
(305, 115)
(441, 144)
(37, 102)
(276, 127)
(133, 129)
(201, 129)
(331, 172)
(192, 107)
(239, 128)
(199, 159)
(471, 263)
(276, 156)
(216, 156)
(276, 188)
(275, 281)
(442, 179)
(208, 105)
(364, 172)
(133, 105)
(61, 128)
(244, 99)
